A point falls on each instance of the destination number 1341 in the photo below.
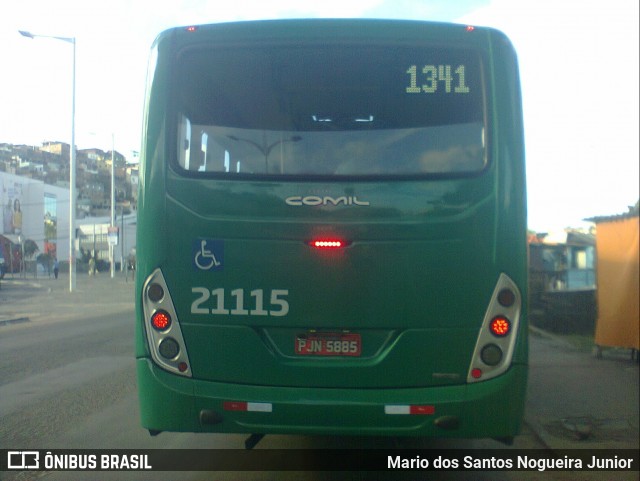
(434, 75)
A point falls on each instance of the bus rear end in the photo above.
(331, 233)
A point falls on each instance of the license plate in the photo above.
(328, 344)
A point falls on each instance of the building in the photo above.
(33, 210)
(34, 197)
(562, 282)
(93, 239)
(60, 149)
(37, 211)
(563, 261)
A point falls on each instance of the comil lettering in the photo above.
(313, 200)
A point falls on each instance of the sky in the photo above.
(578, 65)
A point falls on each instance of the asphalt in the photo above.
(46, 299)
(575, 400)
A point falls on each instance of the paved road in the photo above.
(67, 380)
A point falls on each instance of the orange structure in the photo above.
(618, 282)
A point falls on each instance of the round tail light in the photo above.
(491, 355)
(500, 326)
(169, 348)
(155, 292)
(161, 320)
(506, 298)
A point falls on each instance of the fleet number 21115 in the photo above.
(216, 302)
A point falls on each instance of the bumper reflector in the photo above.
(247, 406)
(409, 409)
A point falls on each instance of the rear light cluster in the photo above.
(496, 341)
(328, 243)
(164, 336)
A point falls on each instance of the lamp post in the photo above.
(113, 201)
(21, 242)
(72, 160)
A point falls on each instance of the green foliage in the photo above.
(30, 248)
(45, 259)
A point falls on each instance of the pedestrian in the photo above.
(56, 267)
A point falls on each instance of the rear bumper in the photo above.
(492, 408)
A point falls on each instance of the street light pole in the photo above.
(72, 177)
(113, 201)
(72, 160)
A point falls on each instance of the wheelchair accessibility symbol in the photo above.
(208, 254)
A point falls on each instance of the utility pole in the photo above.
(72, 160)
(113, 202)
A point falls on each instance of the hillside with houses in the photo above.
(49, 163)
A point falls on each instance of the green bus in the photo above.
(332, 231)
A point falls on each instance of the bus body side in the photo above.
(399, 315)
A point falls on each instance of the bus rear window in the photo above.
(309, 111)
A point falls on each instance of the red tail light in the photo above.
(161, 320)
(500, 326)
(328, 243)
(162, 325)
(496, 343)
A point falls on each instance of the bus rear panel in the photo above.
(331, 231)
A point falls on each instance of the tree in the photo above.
(46, 261)
(30, 248)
